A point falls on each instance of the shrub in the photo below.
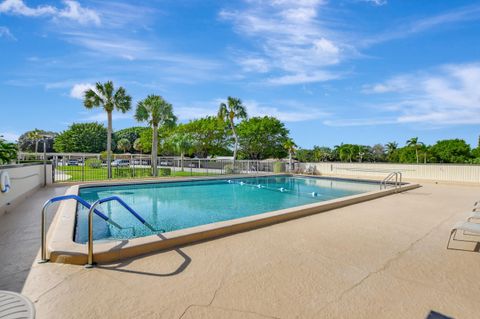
(93, 163)
(122, 172)
(228, 168)
(279, 167)
(165, 171)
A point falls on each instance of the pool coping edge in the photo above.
(63, 249)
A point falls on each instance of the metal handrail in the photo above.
(398, 180)
(62, 198)
(90, 223)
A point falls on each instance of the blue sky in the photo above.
(352, 71)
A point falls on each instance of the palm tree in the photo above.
(137, 145)
(157, 112)
(290, 146)
(234, 109)
(104, 95)
(391, 147)
(35, 136)
(183, 143)
(124, 144)
(413, 142)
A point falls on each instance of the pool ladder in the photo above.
(91, 211)
(389, 179)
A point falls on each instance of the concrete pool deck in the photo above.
(384, 258)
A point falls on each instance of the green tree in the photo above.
(304, 155)
(124, 145)
(230, 111)
(82, 137)
(348, 152)
(130, 133)
(262, 137)
(451, 151)
(183, 143)
(391, 146)
(378, 153)
(321, 154)
(8, 151)
(413, 142)
(158, 113)
(27, 144)
(104, 95)
(406, 154)
(209, 135)
(137, 145)
(290, 147)
(35, 136)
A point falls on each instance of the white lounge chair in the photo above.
(468, 228)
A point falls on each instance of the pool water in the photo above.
(177, 205)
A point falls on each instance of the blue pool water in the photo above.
(177, 205)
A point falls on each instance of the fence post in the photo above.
(83, 168)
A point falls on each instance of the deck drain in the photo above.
(15, 306)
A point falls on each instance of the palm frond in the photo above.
(122, 101)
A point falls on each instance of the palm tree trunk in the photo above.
(36, 146)
(416, 153)
(290, 161)
(181, 159)
(235, 146)
(109, 145)
(154, 150)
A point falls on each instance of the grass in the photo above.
(85, 173)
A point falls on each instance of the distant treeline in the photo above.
(414, 151)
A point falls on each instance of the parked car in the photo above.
(72, 163)
(120, 162)
(140, 162)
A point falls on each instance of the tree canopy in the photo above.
(451, 151)
(82, 137)
(27, 142)
(130, 133)
(210, 136)
(8, 151)
(262, 137)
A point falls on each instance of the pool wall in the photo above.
(63, 249)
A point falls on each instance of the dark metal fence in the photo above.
(91, 167)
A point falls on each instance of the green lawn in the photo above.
(81, 173)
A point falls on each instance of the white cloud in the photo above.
(376, 2)
(289, 35)
(5, 33)
(298, 78)
(250, 64)
(20, 8)
(444, 96)
(72, 11)
(10, 136)
(406, 29)
(396, 84)
(78, 90)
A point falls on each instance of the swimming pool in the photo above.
(177, 205)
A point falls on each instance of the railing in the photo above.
(386, 180)
(90, 223)
(78, 167)
(62, 198)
